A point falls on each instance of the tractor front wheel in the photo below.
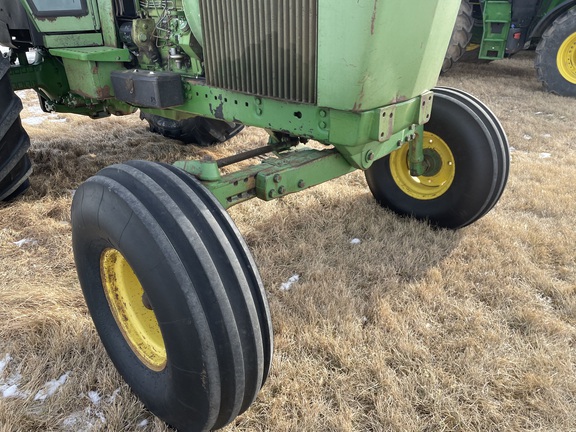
(173, 292)
(466, 159)
(201, 131)
(556, 56)
(15, 165)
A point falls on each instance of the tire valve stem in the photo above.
(146, 302)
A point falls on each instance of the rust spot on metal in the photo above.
(374, 16)
(103, 92)
(49, 19)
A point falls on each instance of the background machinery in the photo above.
(493, 29)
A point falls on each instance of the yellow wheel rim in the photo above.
(127, 302)
(566, 59)
(472, 47)
(439, 169)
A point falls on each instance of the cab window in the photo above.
(45, 8)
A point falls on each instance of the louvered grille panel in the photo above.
(262, 47)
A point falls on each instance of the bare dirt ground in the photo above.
(409, 329)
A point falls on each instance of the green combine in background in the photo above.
(170, 284)
(495, 29)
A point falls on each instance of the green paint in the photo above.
(377, 61)
(47, 77)
(274, 177)
(101, 54)
(376, 53)
(497, 16)
(73, 40)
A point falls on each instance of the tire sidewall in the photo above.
(170, 389)
(474, 176)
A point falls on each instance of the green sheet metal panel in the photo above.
(373, 53)
(70, 16)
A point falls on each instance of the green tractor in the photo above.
(171, 286)
(491, 30)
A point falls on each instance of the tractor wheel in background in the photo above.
(15, 165)
(466, 162)
(461, 36)
(556, 56)
(201, 131)
(173, 292)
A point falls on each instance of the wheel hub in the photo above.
(132, 310)
(439, 169)
(566, 59)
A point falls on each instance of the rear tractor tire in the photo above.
(461, 36)
(556, 56)
(15, 165)
(466, 165)
(173, 292)
(201, 131)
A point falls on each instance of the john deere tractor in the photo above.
(494, 29)
(169, 282)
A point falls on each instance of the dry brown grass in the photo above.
(413, 329)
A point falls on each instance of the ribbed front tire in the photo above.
(173, 292)
(467, 159)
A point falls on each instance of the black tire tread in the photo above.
(234, 312)
(498, 136)
(481, 155)
(15, 165)
(545, 60)
(461, 36)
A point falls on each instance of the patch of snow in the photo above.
(286, 286)
(100, 416)
(546, 135)
(355, 241)
(35, 109)
(544, 155)
(33, 121)
(512, 149)
(25, 241)
(51, 387)
(4, 362)
(143, 423)
(94, 397)
(527, 137)
(13, 392)
(84, 421)
(112, 398)
(9, 386)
